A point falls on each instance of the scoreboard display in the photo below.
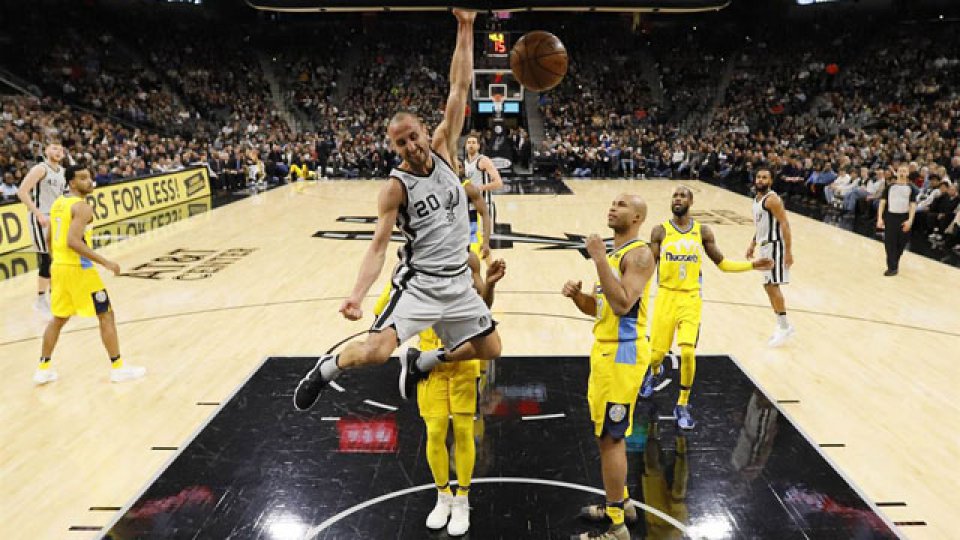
(497, 44)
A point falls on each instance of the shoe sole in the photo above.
(43, 382)
(404, 373)
(297, 391)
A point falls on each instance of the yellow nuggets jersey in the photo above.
(679, 305)
(610, 327)
(60, 219)
(75, 285)
(681, 257)
(619, 358)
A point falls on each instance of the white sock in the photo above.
(782, 321)
(329, 369)
(430, 359)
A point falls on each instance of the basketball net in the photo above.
(498, 105)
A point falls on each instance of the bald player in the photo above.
(621, 352)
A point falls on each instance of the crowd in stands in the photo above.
(830, 109)
(844, 103)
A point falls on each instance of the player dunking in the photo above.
(76, 285)
(621, 352)
(481, 171)
(40, 187)
(678, 246)
(775, 241)
(431, 283)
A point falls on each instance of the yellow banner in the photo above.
(116, 202)
(21, 262)
(14, 228)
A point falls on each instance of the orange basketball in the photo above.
(539, 61)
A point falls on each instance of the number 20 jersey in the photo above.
(434, 221)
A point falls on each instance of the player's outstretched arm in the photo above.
(713, 251)
(461, 72)
(388, 205)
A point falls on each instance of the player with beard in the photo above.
(678, 246)
(775, 240)
(76, 286)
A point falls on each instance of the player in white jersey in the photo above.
(42, 185)
(481, 172)
(775, 241)
(432, 284)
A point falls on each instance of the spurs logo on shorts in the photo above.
(100, 296)
(617, 412)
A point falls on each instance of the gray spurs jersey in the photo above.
(51, 186)
(434, 220)
(479, 178)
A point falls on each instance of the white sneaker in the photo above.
(42, 303)
(43, 376)
(780, 336)
(441, 512)
(127, 373)
(459, 517)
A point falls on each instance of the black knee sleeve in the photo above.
(45, 261)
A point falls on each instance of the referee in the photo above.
(897, 208)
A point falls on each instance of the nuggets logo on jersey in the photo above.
(681, 257)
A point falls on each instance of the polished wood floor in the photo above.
(874, 365)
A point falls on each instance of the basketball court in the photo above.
(848, 431)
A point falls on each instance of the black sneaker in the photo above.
(308, 390)
(889, 273)
(410, 374)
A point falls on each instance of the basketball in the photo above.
(539, 61)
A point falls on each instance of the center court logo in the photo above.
(503, 237)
